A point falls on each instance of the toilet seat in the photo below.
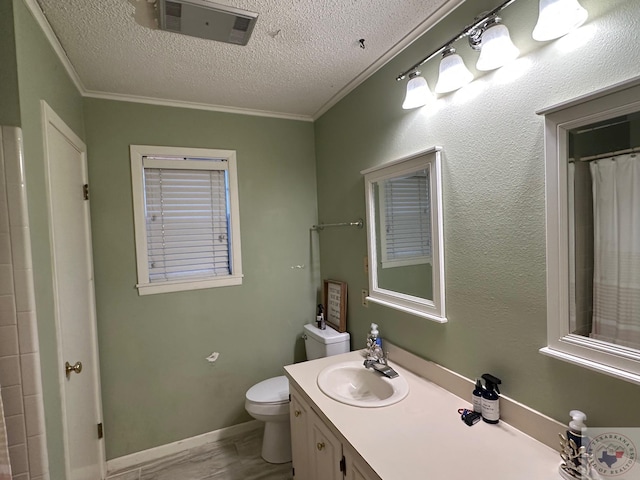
(273, 391)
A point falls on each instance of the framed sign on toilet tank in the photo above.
(335, 304)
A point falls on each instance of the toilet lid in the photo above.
(272, 390)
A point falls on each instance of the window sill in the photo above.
(167, 287)
(591, 365)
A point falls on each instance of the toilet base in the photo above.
(276, 442)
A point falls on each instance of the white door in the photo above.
(70, 235)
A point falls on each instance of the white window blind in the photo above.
(187, 223)
(406, 221)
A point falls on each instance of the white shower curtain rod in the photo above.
(606, 155)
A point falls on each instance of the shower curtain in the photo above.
(616, 279)
(5, 466)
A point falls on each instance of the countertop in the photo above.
(422, 436)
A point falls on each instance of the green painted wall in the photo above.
(494, 201)
(9, 102)
(42, 76)
(157, 386)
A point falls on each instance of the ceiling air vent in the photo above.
(209, 20)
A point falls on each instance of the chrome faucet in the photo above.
(375, 353)
(378, 360)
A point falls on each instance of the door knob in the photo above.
(68, 368)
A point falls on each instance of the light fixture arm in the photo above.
(476, 25)
(475, 35)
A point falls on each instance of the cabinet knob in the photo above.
(320, 445)
(297, 413)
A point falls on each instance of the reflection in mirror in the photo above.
(404, 221)
(603, 180)
(403, 234)
(592, 175)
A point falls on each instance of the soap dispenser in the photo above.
(374, 337)
(573, 450)
(491, 399)
(577, 428)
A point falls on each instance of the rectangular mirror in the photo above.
(593, 231)
(405, 240)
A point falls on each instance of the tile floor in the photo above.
(234, 458)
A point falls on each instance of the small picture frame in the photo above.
(335, 304)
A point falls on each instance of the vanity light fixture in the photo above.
(495, 45)
(557, 18)
(487, 34)
(454, 74)
(418, 93)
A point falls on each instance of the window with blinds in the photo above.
(187, 216)
(187, 225)
(406, 220)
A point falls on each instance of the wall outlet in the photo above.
(365, 294)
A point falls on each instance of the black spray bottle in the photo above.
(320, 322)
(476, 396)
(491, 399)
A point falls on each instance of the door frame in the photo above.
(51, 120)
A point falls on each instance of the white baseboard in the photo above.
(135, 459)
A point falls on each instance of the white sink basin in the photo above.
(351, 383)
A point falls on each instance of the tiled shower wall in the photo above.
(20, 379)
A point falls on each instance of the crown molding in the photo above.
(194, 105)
(407, 40)
(39, 16)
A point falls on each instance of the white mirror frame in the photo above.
(431, 309)
(604, 357)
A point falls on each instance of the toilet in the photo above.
(268, 401)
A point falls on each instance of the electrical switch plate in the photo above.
(365, 294)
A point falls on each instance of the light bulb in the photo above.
(418, 93)
(497, 49)
(453, 73)
(557, 18)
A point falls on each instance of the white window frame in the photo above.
(610, 359)
(177, 158)
(387, 262)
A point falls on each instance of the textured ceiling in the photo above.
(302, 57)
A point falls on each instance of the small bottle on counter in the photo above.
(476, 396)
(374, 336)
(577, 428)
(491, 399)
(320, 322)
(574, 450)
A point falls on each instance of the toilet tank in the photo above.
(324, 343)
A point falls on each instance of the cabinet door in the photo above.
(326, 451)
(356, 468)
(299, 414)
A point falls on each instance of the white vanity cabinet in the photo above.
(318, 452)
